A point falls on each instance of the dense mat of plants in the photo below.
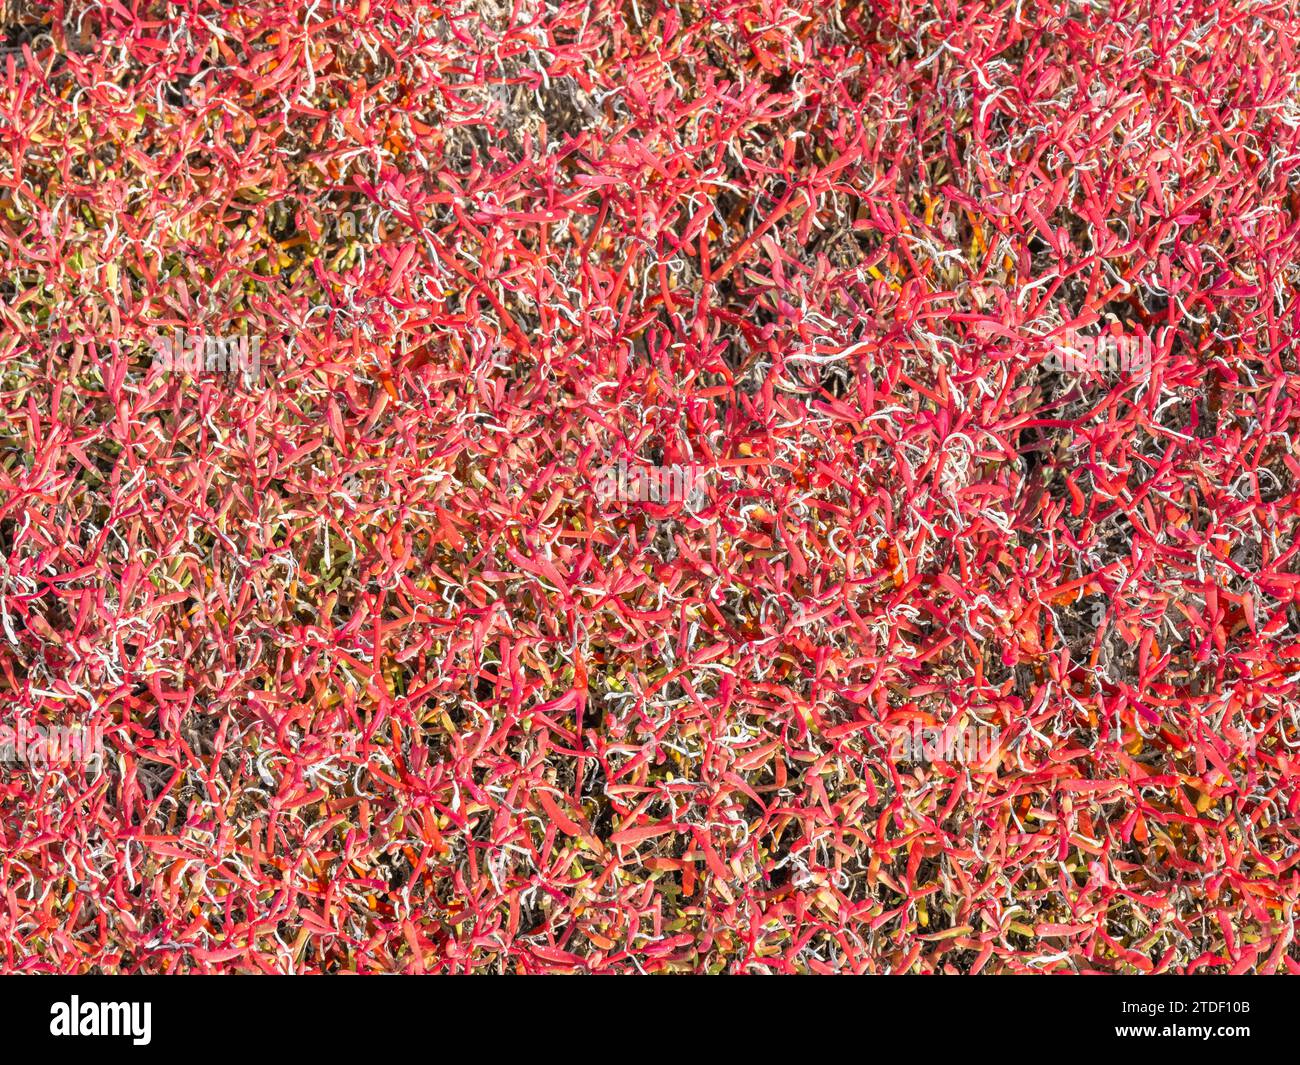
(385, 685)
